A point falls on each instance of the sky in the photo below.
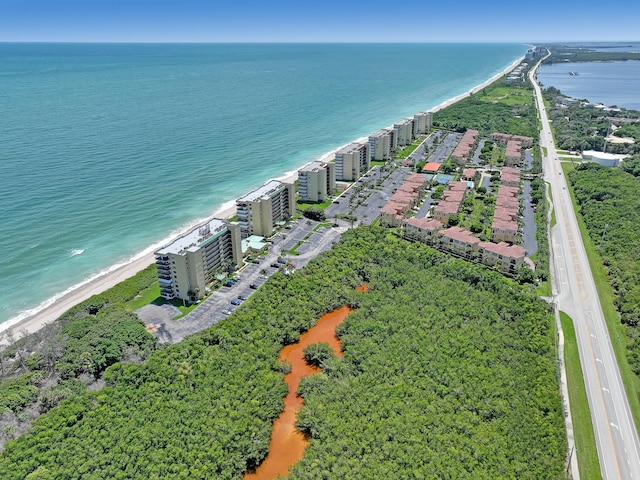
(317, 21)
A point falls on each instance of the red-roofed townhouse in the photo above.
(504, 230)
(459, 242)
(421, 229)
(509, 257)
(392, 214)
(513, 153)
(445, 210)
(469, 174)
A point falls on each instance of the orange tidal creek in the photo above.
(288, 443)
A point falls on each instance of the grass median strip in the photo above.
(585, 441)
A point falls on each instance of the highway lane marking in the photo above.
(604, 407)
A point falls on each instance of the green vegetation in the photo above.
(317, 354)
(497, 108)
(460, 382)
(562, 54)
(588, 463)
(608, 263)
(583, 127)
(302, 206)
(403, 153)
(66, 357)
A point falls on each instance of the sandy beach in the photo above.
(103, 282)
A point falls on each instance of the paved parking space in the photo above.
(211, 311)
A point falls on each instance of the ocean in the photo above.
(109, 150)
(610, 83)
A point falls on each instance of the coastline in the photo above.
(51, 309)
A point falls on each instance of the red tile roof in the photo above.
(505, 249)
(424, 224)
(431, 167)
(463, 236)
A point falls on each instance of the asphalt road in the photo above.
(576, 294)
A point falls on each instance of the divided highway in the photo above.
(575, 293)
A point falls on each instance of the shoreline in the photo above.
(51, 309)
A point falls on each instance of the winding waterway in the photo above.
(287, 442)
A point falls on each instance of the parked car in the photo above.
(255, 261)
(253, 286)
(229, 283)
(275, 265)
(241, 297)
(226, 312)
(235, 302)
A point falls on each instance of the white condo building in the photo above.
(260, 210)
(190, 262)
(422, 123)
(404, 131)
(352, 161)
(382, 143)
(316, 181)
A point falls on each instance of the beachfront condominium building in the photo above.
(189, 263)
(352, 161)
(422, 123)
(260, 210)
(316, 181)
(382, 143)
(404, 131)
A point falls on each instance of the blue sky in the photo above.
(317, 21)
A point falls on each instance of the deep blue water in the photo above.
(610, 83)
(108, 149)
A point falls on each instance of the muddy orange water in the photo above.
(287, 443)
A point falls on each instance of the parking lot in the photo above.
(213, 309)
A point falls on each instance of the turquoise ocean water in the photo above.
(106, 150)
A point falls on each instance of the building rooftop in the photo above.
(431, 167)
(194, 238)
(352, 147)
(416, 178)
(507, 191)
(424, 223)
(458, 186)
(504, 213)
(510, 171)
(404, 121)
(393, 208)
(444, 207)
(380, 133)
(504, 225)
(463, 236)
(262, 192)
(469, 173)
(505, 249)
(312, 167)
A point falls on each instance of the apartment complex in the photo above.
(352, 161)
(316, 181)
(260, 210)
(505, 218)
(404, 198)
(465, 147)
(451, 201)
(404, 131)
(189, 263)
(422, 123)
(382, 143)
(462, 243)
